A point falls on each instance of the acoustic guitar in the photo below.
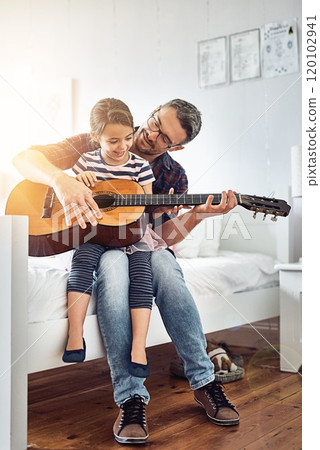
(122, 203)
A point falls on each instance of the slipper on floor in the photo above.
(176, 368)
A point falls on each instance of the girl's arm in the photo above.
(147, 188)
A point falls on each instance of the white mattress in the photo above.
(225, 274)
(228, 273)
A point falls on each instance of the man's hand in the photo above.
(77, 201)
(227, 203)
(175, 230)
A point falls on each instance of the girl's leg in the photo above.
(140, 319)
(77, 309)
(84, 264)
(140, 300)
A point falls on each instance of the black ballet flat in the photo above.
(75, 356)
(139, 370)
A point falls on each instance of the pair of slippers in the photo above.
(227, 366)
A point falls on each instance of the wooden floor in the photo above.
(73, 408)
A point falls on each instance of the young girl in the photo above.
(112, 127)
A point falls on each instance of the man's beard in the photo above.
(142, 139)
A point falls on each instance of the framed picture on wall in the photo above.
(279, 46)
(245, 55)
(212, 61)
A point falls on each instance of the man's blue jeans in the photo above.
(178, 311)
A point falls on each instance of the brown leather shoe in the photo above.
(131, 424)
(216, 404)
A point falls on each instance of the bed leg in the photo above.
(13, 332)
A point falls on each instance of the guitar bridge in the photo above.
(48, 204)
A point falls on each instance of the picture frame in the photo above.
(245, 55)
(212, 61)
(279, 48)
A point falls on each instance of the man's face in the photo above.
(148, 142)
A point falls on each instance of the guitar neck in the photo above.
(165, 199)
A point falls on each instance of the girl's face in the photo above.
(116, 141)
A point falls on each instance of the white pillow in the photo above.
(189, 247)
(210, 242)
(203, 241)
(61, 261)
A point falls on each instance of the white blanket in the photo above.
(229, 272)
(224, 274)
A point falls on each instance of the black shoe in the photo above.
(139, 370)
(131, 424)
(75, 356)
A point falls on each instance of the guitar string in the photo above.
(258, 204)
(196, 199)
(165, 199)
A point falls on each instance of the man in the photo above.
(168, 128)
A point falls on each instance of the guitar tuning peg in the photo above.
(254, 214)
(274, 218)
(264, 217)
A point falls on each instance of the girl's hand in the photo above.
(88, 178)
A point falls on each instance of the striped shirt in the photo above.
(135, 169)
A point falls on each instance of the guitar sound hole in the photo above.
(104, 200)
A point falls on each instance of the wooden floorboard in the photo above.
(72, 407)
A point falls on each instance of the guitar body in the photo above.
(119, 226)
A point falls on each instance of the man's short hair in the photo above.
(189, 117)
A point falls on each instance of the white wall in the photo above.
(145, 52)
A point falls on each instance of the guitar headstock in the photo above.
(265, 205)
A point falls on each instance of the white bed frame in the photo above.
(28, 348)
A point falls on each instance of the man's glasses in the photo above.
(162, 139)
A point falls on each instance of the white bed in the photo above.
(230, 289)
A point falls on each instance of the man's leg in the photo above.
(182, 321)
(181, 318)
(112, 292)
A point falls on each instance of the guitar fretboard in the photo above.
(162, 199)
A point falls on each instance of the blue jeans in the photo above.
(178, 311)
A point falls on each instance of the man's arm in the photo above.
(34, 166)
(44, 164)
(175, 230)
